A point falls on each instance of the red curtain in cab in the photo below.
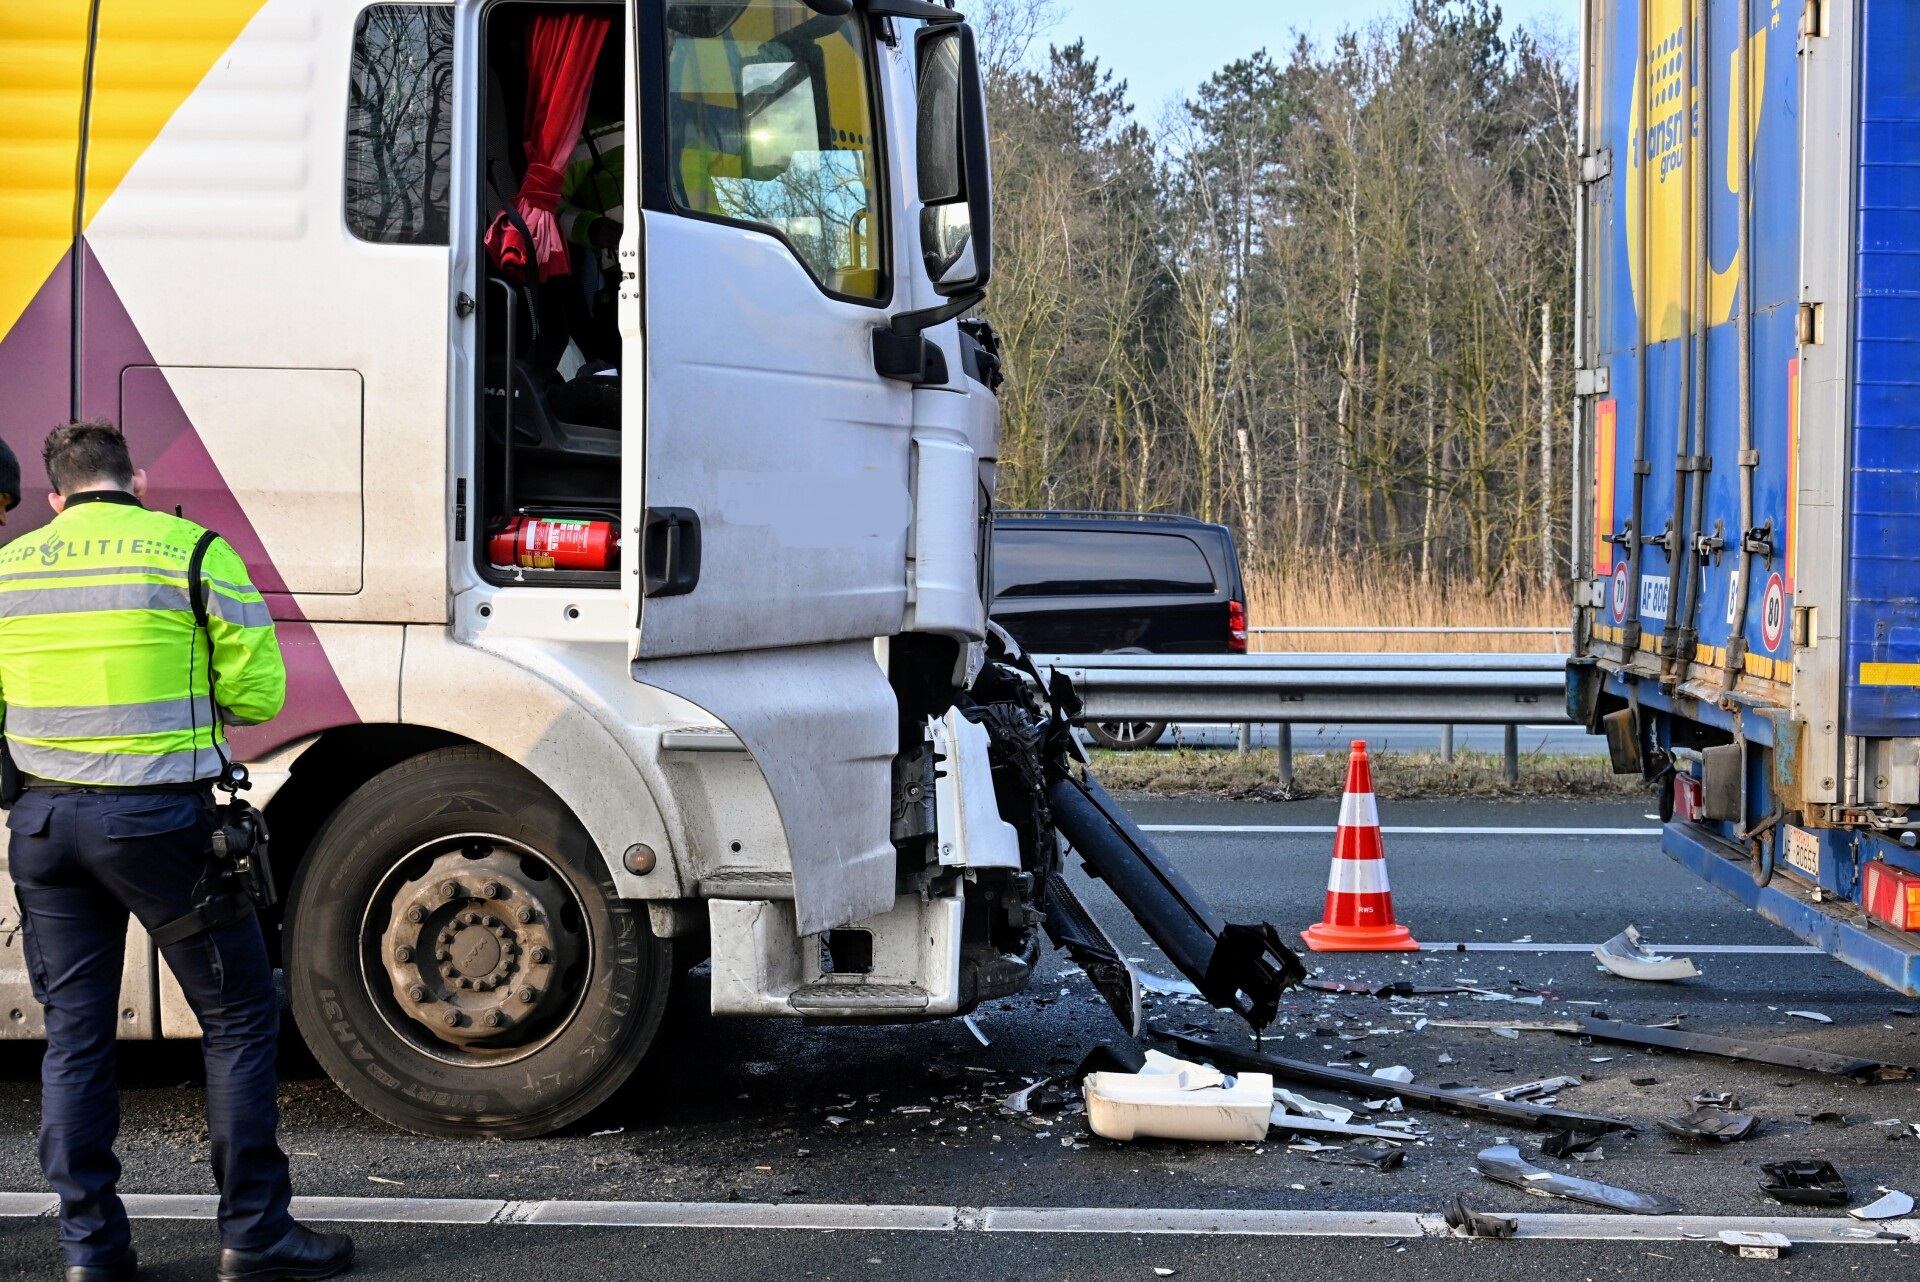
(562, 50)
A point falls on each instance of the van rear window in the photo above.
(1028, 563)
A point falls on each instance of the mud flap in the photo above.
(1239, 968)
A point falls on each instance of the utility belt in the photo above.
(55, 788)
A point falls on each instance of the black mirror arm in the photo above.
(907, 324)
(914, 9)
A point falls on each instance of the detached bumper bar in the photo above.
(1239, 968)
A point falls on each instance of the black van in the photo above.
(1118, 582)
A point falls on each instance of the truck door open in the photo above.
(772, 492)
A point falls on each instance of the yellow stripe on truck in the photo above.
(1890, 674)
(148, 59)
(43, 62)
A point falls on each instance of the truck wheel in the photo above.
(1126, 735)
(458, 960)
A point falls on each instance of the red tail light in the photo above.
(1236, 626)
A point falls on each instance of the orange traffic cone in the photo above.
(1359, 915)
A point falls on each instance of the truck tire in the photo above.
(457, 957)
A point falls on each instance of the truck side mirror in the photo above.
(956, 172)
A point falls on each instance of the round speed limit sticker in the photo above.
(1620, 588)
(1773, 613)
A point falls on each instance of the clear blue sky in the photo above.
(1166, 48)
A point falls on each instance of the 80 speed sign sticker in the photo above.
(1773, 613)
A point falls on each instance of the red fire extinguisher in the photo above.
(540, 543)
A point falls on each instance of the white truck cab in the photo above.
(587, 386)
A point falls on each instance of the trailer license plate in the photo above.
(1803, 852)
(1653, 598)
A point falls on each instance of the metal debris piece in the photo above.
(1804, 1183)
(1468, 1102)
(1533, 1090)
(1626, 957)
(1467, 1223)
(1567, 1143)
(1755, 1246)
(1711, 1124)
(1590, 1155)
(1283, 1120)
(1380, 1157)
(1311, 1108)
(1813, 1015)
(1864, 1070)
(1716, 1099)
(1503, 1163)
(1895, 1205)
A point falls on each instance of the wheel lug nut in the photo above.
(473, 919)
(490, 890)
(494, 1019)
(452, 1019)
(416, 914)
(523, 914)
(404, 953)
(417, 992)
(441, 954)
(527, 995)
(449, 889)
(539, 956)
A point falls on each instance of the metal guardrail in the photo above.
(1507, 690)
(1414, 632)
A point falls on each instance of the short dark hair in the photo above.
(79, 454)
(9, 477)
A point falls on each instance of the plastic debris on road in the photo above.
(1755, 1246)
(1813, 1015)
(1628, 958)
(1804, 1183)
(1704, 1125)
(1470, 1223)
(1178, 1100)
(1504, 1164)
(1895, 1205)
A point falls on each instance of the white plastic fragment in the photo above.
(1813, 1015)
(1311, 1108)
(1895, 1205)
(1398, 1073)
(1756, 1246)
(1177, 1100)
(1172, 987)
(974, 1028)
(1510, 1033)
(1626, 957)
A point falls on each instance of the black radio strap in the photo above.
(197, 596)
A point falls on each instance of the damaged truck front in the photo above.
(652, 627)
(1747, 501)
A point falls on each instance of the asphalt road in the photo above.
(748, 1119)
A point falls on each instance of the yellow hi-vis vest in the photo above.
(103, 671)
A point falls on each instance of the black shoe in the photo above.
(121, 1270)
(301, 1254)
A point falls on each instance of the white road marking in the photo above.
(1328, 829)
(1735, 950)
(861, 1217)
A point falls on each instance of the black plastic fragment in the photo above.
(1862, 1070)
(1107, 1058)
(1804, 1183)
(1711, 1125)
(1470, 1223)
(1566, 1143)
(1381, 1157)
(1367, 1086)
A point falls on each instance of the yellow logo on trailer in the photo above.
(1663, 129)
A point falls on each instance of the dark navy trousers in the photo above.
(80, 864)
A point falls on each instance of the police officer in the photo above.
(105, 680)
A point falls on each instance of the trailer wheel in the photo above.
(457, 958)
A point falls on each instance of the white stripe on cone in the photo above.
(1358, 877)
(1358, 810)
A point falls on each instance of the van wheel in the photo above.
(1125, 736)
(459, 961)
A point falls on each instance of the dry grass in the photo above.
(1191, 772)
(1354, 595)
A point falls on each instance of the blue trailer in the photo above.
(1747, 504)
